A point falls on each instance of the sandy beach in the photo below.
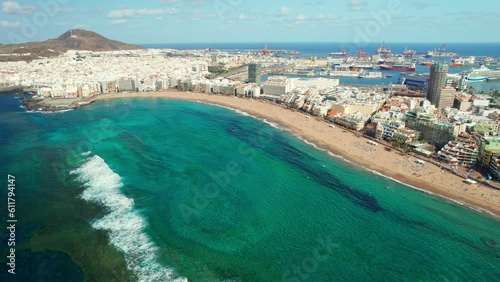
(401, 167)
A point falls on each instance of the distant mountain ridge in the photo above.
(75, 39)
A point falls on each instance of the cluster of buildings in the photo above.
(457, 128)
(454, 127)
(85, 74)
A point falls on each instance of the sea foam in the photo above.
(84, 154)
(391, 178)
(125, 227)
(238, 111)
(243, 113)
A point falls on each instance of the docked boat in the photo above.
(476, 78)
(440, 52)
(482, 74)
(337, 58)
(363, 66)
(371, 74)
(399, 67)
(344, 71)
(407, 53)
(336, 54)
(305, 72)
(457, 63)
(437, 53)
(427, 64)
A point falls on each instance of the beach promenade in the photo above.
(355, 148)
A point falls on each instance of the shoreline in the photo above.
(51, 105)
(353, 148)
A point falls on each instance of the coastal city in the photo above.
(436, 115)
(229, 140)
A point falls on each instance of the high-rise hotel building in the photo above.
(437, 94)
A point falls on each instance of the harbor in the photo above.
(482, 73)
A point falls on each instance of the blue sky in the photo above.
(178, 21)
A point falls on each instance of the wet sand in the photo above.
(429, 177)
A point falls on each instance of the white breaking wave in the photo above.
(390, 178)
(124, 226)
(279, 126)
(86, 153)
(243, 113)
(49, 113)
(56, 112)
(238, 111)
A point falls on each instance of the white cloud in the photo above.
(242, 17)
(129, 13)
(12, 7)
(211, 16)
(119, 21)
(286, 11)
(10, 24)
(301, 18)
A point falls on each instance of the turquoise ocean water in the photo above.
(159, 190)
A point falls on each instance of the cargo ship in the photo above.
(398, 67)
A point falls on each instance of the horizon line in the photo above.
(333, 42)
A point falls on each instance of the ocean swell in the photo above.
(125, 227)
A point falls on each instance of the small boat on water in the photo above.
(399, 67)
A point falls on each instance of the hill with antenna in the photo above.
(76, 39)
